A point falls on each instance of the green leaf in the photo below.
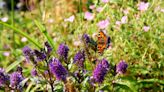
(126, 84)
(13, 65)
(22, 33)
(43, 30)
(29, 87)
(151, 81)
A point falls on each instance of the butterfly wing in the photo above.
(102, 42)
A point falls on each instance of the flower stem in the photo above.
(43, 30)
(51, 82)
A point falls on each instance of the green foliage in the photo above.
(142, 50)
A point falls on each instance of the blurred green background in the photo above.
(32, 22)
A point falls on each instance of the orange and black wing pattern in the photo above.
(102, 42)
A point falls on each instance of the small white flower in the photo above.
(162, 10)
(146, 28)
(88, 16)
(6, 54)
(92, 7)
(70, 19)
(51, 20)
(77, 43)
(124, 19)
(24, 39)
(142, 6)
(126, 11)
(118, 23)
(105, 1)
(4, 19)
(99, 9)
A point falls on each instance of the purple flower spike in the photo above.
(3, 77)
(63, 51)
(34, 72)
(48, 47)
(28, 53)
(86, 38)
(100, 71)
(15, 79)
(105, 64)
(57, 69)
(40, 56)
(79, 59)
(121, 67)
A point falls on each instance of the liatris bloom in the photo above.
(40, 56)
(146, 28)
(124, 19)
(86, 38)
(3, 77)
(105, 1)
(142, 6)
(63, 51)
(57, 69)
(34, 72)
(70, 19)
(15, 79)
(105, 64)
(28, 53)
(88, 16)
(79, 59)
(103, 24)
(121, 67)
(48, 47)
(19, 69)
(100, 71)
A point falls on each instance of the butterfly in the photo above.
(103, 42)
